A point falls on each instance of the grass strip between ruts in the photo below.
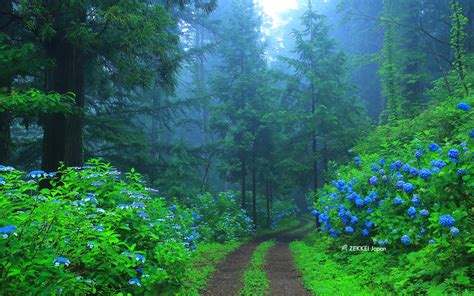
(255, 278)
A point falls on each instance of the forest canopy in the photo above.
(232, 118)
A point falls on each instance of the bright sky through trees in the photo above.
(276, 8)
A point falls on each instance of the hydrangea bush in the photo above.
(221, 218)
(410, 193)
(89, 230)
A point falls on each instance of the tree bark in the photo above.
(5, 82)
(254, 197)
(243, 173)
(267, 195)
(63, 139)
(5, 137)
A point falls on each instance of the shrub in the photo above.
(92, 230)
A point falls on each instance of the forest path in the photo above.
(283, 277)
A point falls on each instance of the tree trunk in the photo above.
(254, 197)
(314, 153)
(243, 182)
(63, 139)
(267, 196)
(5, 137)
(5, 82)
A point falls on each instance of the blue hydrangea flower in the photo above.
(314, 212)
(61, 261)
(438, 163)
(359, 202)
(446, 220)
(373, 180)
(134, 281)
(406, 168)
(384, 178)
(453, 154)
(424, 213)
(435, 170)
(139, 270)
(367, 200)
(382, 161)
(433, 147)
(432, 241)
(400, 184)
(6, 168)
(425, 173)
(382, 172)
(414, 172)
(411, 211)
(392, 166)
(415, 200)
(349, 229)
(397, 201)
(357, 160)
(140, 258)
(461, 172)
(369, 224)
(406, 240)
(374, 167)
(99, 228)
(464, 106)
(354, 220)
(408, 187)
(36, 174)
(6, 230)
(365, 232)
(454, 231)
(398, 163)
(471, 133)
(417, 154)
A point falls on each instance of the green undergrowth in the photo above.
(203, 265)
(287, 224)
(255, 278)
(328, 270)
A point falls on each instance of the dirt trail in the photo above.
(227, 280)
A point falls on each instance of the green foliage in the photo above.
(322, 272)
(255, 278)
(348, 272)
(446, 190)
(221, 217)
(457, 41)
(101, 222)
(323, 107)
(33, 102)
